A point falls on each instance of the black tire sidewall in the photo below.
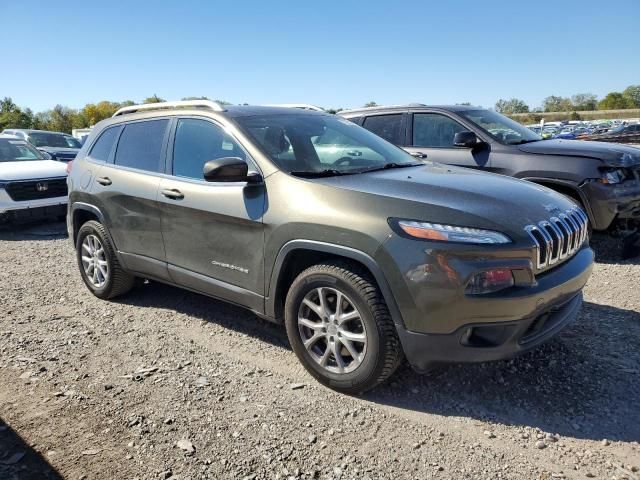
(369, 367)
(90, 229)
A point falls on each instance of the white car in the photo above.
(31, 188)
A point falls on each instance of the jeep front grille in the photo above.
(559, 237)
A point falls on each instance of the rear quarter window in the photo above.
(102, 148)
(140, 145)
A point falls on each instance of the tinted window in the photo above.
(386, 126)
(17, 150)
(434, 130)
(102, 148)
(197, 142)
(140, 145)
(48, 139)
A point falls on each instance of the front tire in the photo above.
(99, 266)
(340, 328)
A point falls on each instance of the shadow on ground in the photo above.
(19, 461)
(584, 383)
(613, 250)
(33, 231)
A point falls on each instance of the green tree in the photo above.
(95, 112)
(153, 99)
(370, 104)
(11, 116)
(584, 101)
(513, 105)
(615, 101)
(62, 119)
(557, 104)
(632, 92)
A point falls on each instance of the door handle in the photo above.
(418, 154)
(104, 181)
(173, 194)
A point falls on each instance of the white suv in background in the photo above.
(31, 188)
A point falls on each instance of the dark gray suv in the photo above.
(365, 254)
(603, 178)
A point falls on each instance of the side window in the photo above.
(434, 130)
(102, 148)
(388, 127)
(140, 145)
(197, 142)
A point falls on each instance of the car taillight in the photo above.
(69, 166)
(490, 281)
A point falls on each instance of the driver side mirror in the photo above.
(229, 169)
(465, 139)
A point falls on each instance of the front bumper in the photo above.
(32, 214)
(438, 322)
(486, 342)
(30, 210)
(610, 202)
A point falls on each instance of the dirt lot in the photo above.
(168, 384)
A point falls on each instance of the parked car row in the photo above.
(584, 130)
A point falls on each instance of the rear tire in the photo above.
(337, 310)
(98, 263)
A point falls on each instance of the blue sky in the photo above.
(330, 53)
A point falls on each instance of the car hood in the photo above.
(612, 154)
(455, 195)
(32, 170)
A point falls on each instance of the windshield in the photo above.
(321, 143)
(50, 139)
(502, 128)
(17, 151)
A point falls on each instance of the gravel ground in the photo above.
(164, 383)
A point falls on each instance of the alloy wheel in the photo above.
(332, 330)
(94, 261)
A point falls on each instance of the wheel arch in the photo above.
(82, 213)
(297, 255)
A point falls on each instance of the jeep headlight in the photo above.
(450, 233)
(613, 176)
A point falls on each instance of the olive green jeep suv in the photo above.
(366, 254)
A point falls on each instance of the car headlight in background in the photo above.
(613, 176)
(450, 233)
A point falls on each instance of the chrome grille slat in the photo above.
(559, 237)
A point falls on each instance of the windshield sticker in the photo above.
(17, 142)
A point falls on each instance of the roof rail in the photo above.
(211, 105)
(303, 106)
(382, 107)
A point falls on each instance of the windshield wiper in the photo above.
(522, 142)
(390, 165)
(330, 172)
